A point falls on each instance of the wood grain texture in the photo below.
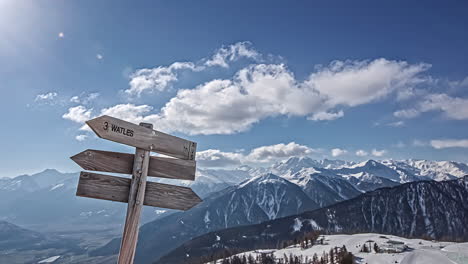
(103, 187)
(136, 197)
(127, 133)
(106, 187)
(116, 162)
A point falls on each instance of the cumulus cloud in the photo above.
(231, 53)
(156, 79)
(449, 143)
(338, 152)
(452, 107)
(75, 99)
(46, 97)
(354, 83)
(84, 98)
(278, 151)
(260, 91)
(269, 90)
(320, 116)
(263, 154)
(81, 137)
(407, 113)
(160, 78)
(217, 158)
(128, 112)
(361, 153)
(378, 153)
(78, 114)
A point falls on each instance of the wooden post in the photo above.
(135, 203)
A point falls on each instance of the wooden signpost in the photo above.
(137, 191)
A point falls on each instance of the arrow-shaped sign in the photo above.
(127, 133)
(107, 161)
(113, 188)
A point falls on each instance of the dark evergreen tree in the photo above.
(376, 248)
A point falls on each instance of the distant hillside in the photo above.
(430, 209)
(258, 199)
(20, 245)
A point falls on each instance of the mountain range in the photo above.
(424, 209)
(232, 197)
(233, 206)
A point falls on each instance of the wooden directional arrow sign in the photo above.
(106, 161)
(141, 137)
(137, 191)
(113, 188)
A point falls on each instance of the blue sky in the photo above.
(251, 82)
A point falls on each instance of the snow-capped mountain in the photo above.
(370, 167)
(323, 186)
(255, 200)
(435, 170)
(430, 209)
(295, 164)
(369, 182)
(47, 200)
(371, 174)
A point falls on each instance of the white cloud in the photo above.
(46, 97)
(81, 137)
(160, 78)
(75, 99)
(99, 56)
(449, 143)
(78, 114)
(320, 116)
(84, 98)
(268, 90)
(338, 152)
(361, 153)
(278, 151)
(263, 154)
(217, 158)
(157, 79)
(354, 83)
(452, 107)
(129, 112)
(232, 52)
(378, 153)
(260, 91)
(396, 124)
(407, 113)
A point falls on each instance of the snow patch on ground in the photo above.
(314, 224)
(419, 251)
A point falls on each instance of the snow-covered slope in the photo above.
(323, 186)
(370, 167)
(426, 169)
(430, 209)
(294, 164)
(255, 200)
(417, 251)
